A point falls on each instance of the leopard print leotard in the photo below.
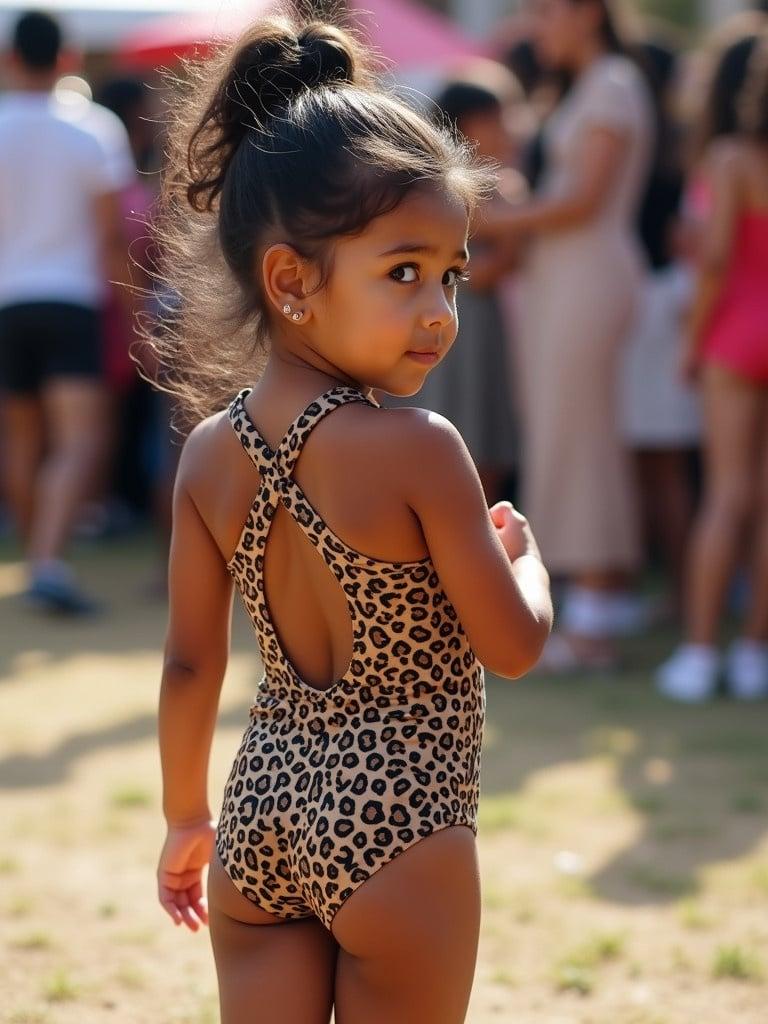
(330, 785)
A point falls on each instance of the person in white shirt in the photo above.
(63, 164)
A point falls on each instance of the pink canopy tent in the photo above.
(403, 33)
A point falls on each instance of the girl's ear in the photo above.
(286, 278)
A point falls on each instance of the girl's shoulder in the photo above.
(206, 448)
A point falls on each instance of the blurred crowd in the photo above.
(611, 370)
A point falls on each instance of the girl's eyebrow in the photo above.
(420, 247)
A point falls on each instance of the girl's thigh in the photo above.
(733, 413)
(268, 970)
(408, 936)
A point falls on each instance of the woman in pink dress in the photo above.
(728, 353)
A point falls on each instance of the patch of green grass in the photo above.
(760, 879)
(693, 917)
(502, 976)
(597, 949)
(126, 797)
(494, 898)
(28, 1017)
(611, 741)
(747, 802)
(738, 963)
(9, 866)
(131, 977)
(648, 877)
(498, 813)
(59, 988)
(574, 979)
(21, 906)
(33, 941)
(575, 888)
(576, 971)
(649, 803)
(739, 744)
(674, 831)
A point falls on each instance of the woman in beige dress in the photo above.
(578, 295)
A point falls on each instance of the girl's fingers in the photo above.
(184, 907)
(189, 918)
(501, 513)
(169, 906)
(201, 909)
(198, 902)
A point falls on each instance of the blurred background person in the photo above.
(582, 280)
(127, 485)
(728, 351)
(659, 410)
(63, 165)
(472, 386)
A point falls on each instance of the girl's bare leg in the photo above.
(269, 972)
(408, 936)
(732, 417)
(756, 625)
(668, 506)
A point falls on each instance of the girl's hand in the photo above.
(513, 531)
(187, 850)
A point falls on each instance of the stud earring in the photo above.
(289, 312)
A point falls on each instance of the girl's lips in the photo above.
(424, 357)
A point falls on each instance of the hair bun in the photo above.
(327, 56)
(273, 63)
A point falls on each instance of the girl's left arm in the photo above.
(715, 248)
(196, 653)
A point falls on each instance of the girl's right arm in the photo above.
(488, 563)
(196, 654)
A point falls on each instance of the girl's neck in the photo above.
(286, 370)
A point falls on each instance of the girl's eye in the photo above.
(452, 277)
(406, 274)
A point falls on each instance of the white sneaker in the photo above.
(691, 674)
(746, 670)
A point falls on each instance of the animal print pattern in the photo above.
(330, 785)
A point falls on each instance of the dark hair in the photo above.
(37, 40)
(463, 99)
(285, 135)
(122, 96)
(522, 61)
(610, 30)
(752, 103)
(721, 105)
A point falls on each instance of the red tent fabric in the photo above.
(406, 34)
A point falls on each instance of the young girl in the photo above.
(333, 220)
(728, 351)
(473, 385)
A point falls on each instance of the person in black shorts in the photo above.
(62, 168)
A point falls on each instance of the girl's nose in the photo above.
(439, 311)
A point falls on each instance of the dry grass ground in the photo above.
(623, 841)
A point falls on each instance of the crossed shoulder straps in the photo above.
(282, 460)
